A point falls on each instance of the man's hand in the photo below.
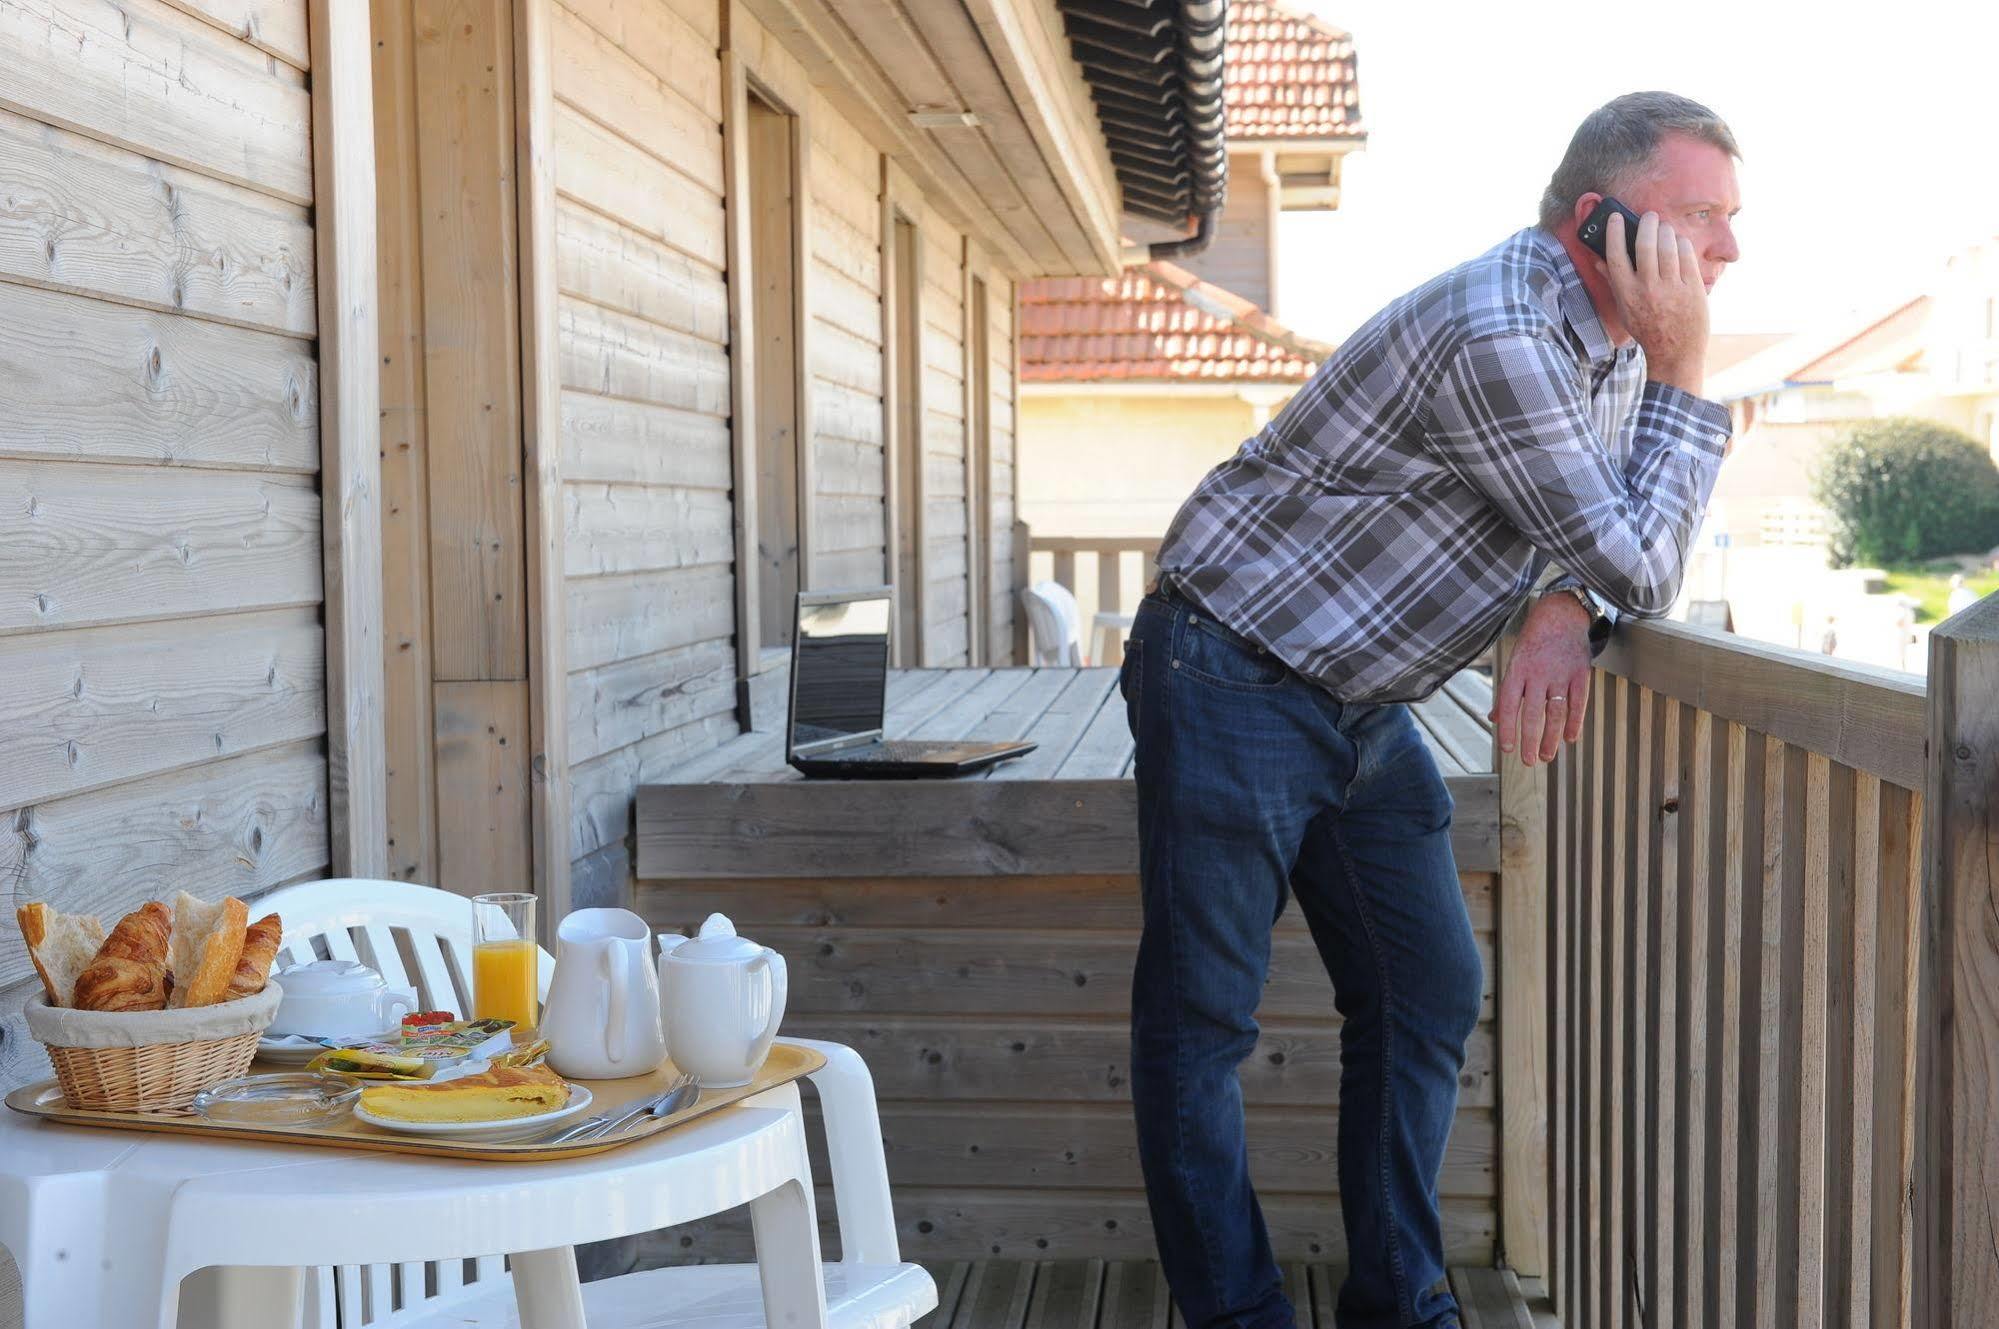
(1541, 701)
(1661, 299)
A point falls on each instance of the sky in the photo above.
(1869, 133)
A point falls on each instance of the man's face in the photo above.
(1691, 185)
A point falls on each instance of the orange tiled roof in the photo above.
(1890, 344)
(1288, 75)
(1154, 323)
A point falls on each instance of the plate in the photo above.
(579, 1099)
(284, 1052)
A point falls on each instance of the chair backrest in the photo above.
(414, 936)
(1054, 624)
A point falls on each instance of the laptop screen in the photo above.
(839, 670)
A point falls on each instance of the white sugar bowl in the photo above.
(337, 999)
(723, 998)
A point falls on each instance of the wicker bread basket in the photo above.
(149, 1061)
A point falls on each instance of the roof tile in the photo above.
(1154, 323)
(1288, 75)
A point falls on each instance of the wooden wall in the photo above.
(164, 720)
(646, 463)
(1239, 259)
(994, 1014)
(642, 253)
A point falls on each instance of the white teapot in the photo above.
(722, 997)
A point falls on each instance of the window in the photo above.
(772, 208)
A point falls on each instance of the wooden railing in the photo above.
(1119, 568)
(1757, 1006)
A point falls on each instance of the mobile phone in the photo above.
(1597, 225)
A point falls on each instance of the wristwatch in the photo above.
(1600, 620)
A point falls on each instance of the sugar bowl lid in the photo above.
(717, 942)
(329, 978)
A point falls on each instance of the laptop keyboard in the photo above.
(892, 750)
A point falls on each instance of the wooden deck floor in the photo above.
(1094, 1294)
(1067, 807)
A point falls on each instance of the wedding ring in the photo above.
(1552, 697)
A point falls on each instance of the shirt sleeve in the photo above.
(1511, 419)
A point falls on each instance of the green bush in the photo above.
(1901, 490)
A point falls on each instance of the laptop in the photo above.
(839, 683)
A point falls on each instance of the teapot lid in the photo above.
(328, 978)
(717, 942)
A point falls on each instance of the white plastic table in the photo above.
(105, 1226)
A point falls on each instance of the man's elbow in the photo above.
(1647, 598)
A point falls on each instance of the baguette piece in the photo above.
(495, 1095)
(207, 943)
(260, 947)
(60, 945)
(129, 971)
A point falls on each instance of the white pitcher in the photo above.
(602, 1020)
(724, 998)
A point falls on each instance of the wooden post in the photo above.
(343, 150)
(541, 439)
(1023, 558)
(1522, 954)
(1956, 1174)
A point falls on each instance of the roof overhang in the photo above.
(1029, 174)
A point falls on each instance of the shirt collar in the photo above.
(1578, 310)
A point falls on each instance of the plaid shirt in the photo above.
(1377, 534)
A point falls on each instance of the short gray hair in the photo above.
(1617, 140)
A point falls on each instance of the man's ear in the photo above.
(1583, 207)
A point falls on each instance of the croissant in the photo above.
(260, 947)
(129, 972)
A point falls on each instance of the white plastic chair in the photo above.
(868, 1288)
(1052, 624)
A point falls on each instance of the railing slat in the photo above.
(1767, 1281)
(1110, 582)
(1640, 1045)
(1065, 569)
(1572, 991)
(1734, 794)
(1618, 1064)
(1594, 1028)
(1559, 928)
(1696, 861)
(1870, 934)
(1813, 1044)
(1665, 1034)
(1896, 1012)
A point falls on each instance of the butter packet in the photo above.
(420, 1051)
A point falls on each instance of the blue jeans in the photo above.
(1254, 784)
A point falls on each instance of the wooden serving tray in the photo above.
(784, 1064)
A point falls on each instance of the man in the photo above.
(1535, 406)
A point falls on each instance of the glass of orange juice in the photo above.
(504, 959)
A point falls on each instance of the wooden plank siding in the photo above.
(644, 393)
(654, 495)
(160, 451)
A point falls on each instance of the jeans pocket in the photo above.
(1227, 661)
(1130, 681)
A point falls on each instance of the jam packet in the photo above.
(418, 1052)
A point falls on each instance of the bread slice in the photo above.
(260, 947)
(207, 943)
(60, 945)
(496, 1095)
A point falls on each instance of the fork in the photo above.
(605, 1124)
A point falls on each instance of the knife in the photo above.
(676, 1095)
(603, 1123)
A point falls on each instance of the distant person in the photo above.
(1961, 596)
(1829, 643)
(1537, 405)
